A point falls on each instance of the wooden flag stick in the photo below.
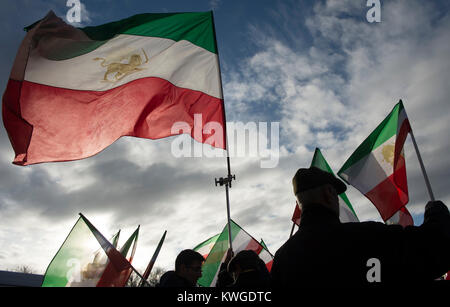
(427, 181)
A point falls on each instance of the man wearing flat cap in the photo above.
(326, 252)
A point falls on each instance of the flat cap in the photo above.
(313, 177)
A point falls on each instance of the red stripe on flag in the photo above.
(115, 276)
(14, 123)
(269, 265)
(399, 160)
(297, 215)
(401, 138)
(254, 246)
(258, 248)
(405, 218)
(387, 197)
(71, 124)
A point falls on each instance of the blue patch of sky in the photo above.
(418, 218)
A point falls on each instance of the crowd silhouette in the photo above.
(326, 252)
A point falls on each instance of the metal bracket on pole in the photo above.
(222, 181)
(227, 182)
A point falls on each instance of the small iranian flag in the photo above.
(114, 277)
(297, 215)
(346, 211)
(263, 244)
(205, 247)
(100, 256)
(377, 167)
(78, 262)
(241, 240)
(265, 255)
(74, 91)
(153, 260)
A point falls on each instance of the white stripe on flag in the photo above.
(181, 63)
(371, 170)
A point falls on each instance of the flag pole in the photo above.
(292, 230)
(152, 261)
(424, 172)
(224, 181)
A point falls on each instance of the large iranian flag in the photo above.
(79, 262)
(377, 167)
(74, 91)
(241, 240)
(346, 211)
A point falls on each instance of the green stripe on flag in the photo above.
(69, 258)
(196, 27)
(384, 131)
(206, 242)
(263, 244)
(320, 162)
(216, 255)
(115, 239)
(347, 202)
(126, 247)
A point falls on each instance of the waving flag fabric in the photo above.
(401, 217)
(346, 211)
(72, 92)
(79, 262)
(205, 247)
(296, 216)
(241, 240)
(114, 277)
(377, 167)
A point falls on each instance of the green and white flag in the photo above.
(346, 211)
(241, 240)
(205, 247)
(79, 262)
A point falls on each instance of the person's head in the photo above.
(188, 265)
(315, 186)
(244, 261)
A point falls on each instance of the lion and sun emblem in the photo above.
(124, 66)
(388, 153)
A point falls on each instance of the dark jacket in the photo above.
(171, 279)
(325, 252)
(256, 278)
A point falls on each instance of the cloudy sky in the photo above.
(321, 70)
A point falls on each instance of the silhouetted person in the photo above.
(247, 271)
(225, 278)
(326, 252)
(188, 269)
